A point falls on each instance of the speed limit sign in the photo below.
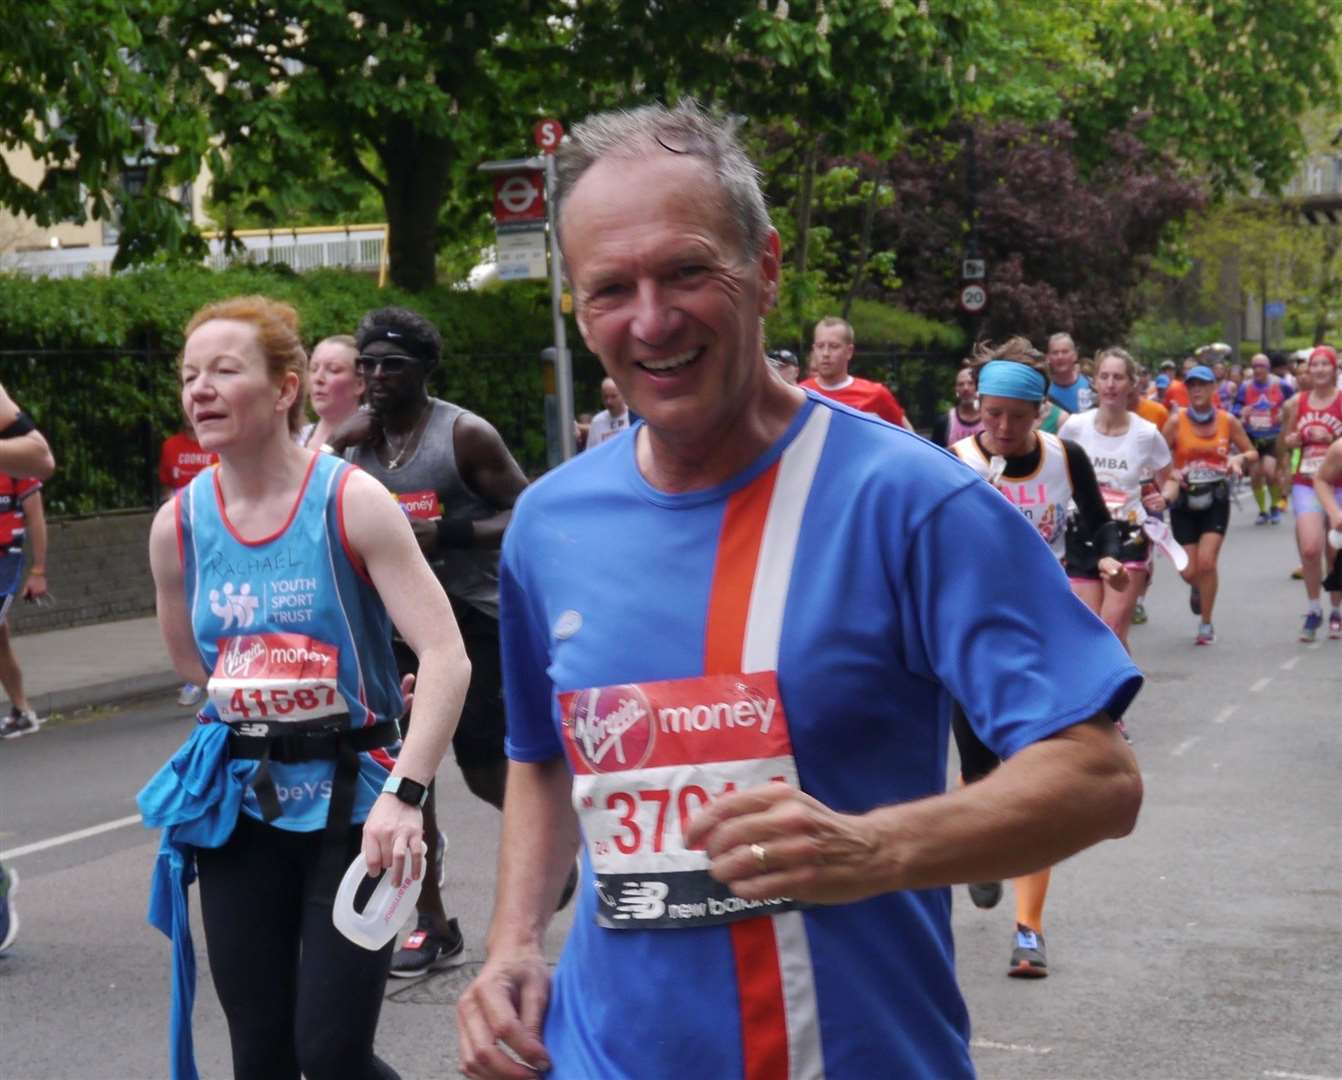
(547, 134)
(973, 299)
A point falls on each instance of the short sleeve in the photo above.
(1001, 629)
(1158, 453)
(25, 487)
(527, 689)
(890, 409)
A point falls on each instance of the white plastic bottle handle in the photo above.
(387, 910)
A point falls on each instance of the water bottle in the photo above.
(387, 910)
(1335, 538)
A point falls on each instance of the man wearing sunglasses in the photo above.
(457, 482)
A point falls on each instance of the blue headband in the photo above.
(1006, 378)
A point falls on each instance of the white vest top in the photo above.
(1044, 496)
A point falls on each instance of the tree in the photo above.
(1065, 249)
(1223, 86)
(76, 93)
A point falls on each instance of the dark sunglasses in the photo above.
(393, 364)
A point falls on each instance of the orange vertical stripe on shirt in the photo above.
(759, 982)
(734, 574)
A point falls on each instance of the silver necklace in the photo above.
(395, 462)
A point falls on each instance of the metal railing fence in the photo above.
(106, 412)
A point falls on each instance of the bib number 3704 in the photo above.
(646, 759)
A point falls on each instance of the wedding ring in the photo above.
(761, 856)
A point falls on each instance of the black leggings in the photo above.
(976, 760)
(299, 997)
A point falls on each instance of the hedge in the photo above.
(93, 358)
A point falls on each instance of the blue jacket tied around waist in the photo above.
(195, 799)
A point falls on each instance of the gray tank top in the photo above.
(428, 485)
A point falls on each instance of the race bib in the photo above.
(275, 678)
(1118, 503)
(646, 757)
(420, 504)
(1202, 472)
(1310, 465)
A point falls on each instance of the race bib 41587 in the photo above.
(646, 757)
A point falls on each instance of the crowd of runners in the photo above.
(741, 750)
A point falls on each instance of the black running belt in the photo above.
(344, 746)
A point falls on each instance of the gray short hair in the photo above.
(686, 129)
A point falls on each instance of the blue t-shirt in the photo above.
(891, 582)
(1075, 398)
(292, 633)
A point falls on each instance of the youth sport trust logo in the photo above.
(239, 608)
(612, 727)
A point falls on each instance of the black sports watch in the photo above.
(407, 790)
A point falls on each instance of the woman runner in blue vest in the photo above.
(275, 573)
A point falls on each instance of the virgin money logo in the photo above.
(419, 504)
(612, 727)
(240, 656)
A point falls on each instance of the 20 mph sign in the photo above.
(519, 197)
(973, 299)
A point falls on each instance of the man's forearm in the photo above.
(540, 838)
(1047, 802)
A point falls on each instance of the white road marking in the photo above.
(1225, 714)
(70, 837)
(1185, 746)
(1022, 1048)
(1290, 664)
(1296, 1076)
(1260, 685)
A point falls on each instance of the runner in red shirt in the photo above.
(831, 353)
(181, 459)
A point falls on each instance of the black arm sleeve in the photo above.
(1090, 509)
(23, 423)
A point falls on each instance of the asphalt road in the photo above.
(1206, 945)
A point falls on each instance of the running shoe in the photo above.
(1206, 634)
(1262, 518)
(1275, 516)
(985, 894)
(1027, 958)
(1298, 574)
(1310, 631)
(1281, 505)
(1139, 614)
(189, 695)
(1194, 600)
(1335, 625)
(9, 916)
(19, 723)
(427, 950)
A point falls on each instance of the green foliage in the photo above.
(875, 323)
(94, 360)
(1154, 338)
(875, 326)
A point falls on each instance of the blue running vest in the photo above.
(293, 634)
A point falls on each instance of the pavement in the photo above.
(68, 670)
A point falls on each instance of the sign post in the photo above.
(518, 195)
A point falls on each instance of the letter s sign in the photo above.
(547, 134)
